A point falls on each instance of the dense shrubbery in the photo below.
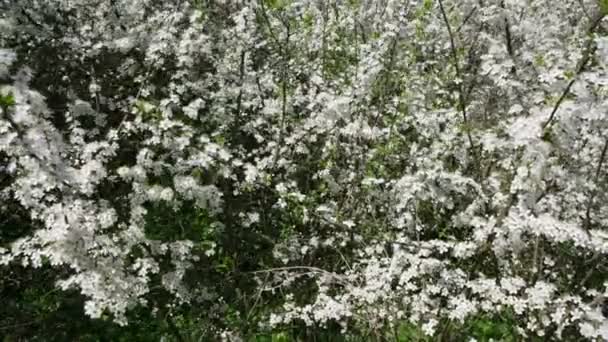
(277, 170)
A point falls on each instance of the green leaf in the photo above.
(280, 337)
(604, 6)
(548, 135)
(539, 61)
(276, 4)
(7, 100)
(308, 20)
(428, 5)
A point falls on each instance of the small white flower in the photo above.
(428, 328)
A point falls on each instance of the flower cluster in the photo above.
(400, 160)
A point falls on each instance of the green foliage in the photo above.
(427, 5)
(166, 224)
(35, 310)
(147, 110)
(276, 4)
(308, 20)
(548, 135)
(410, 332)
(604, 6)
(230, 253)
(7, 99)
(539, 61)
(273, 337)
(488, 328)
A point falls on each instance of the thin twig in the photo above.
(258, 297)
(239, 98)
(587, 52)
(267, 21)
(310, 269)
(466, 19)
(508, 36)
(462, 104)
(283, 98)
(582, 3)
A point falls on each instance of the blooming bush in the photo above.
(355, 165)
